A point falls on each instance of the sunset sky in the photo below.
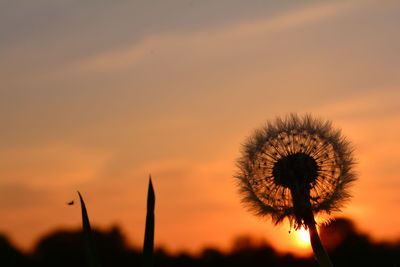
(97, 95)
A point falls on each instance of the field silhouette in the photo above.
(345, 244)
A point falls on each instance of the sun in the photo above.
(302, 238)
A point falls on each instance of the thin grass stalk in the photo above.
(91, 254)
(148, 246)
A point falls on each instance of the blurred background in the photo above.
(97, 95)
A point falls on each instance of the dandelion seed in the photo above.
(295, 168)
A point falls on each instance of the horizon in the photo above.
(301, 241)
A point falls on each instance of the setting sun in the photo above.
(302, 238)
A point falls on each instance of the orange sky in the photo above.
(97, 95)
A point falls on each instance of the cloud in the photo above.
(370, 121)
(150, 45)
(17, 196)
(49, 165)
(366, 105)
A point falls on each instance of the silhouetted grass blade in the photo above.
(90, 246)
(148, 246)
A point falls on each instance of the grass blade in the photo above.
(148, 246)
(90, 246)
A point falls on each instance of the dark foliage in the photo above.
(66, 248)
(9, 256)
(348, 247)
(344, 243)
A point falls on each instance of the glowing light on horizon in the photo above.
(302, 238)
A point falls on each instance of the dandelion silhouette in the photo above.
(295, 168)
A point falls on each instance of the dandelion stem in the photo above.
(319, 250)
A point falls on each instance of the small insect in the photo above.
(70, 203)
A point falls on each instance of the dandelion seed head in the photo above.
(293, 165)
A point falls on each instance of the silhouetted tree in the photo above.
(351, 248)
(346, 245)
(10, 256)
(65, 248)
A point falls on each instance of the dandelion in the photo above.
(295, 168)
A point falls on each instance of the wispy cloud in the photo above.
(113, 60)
